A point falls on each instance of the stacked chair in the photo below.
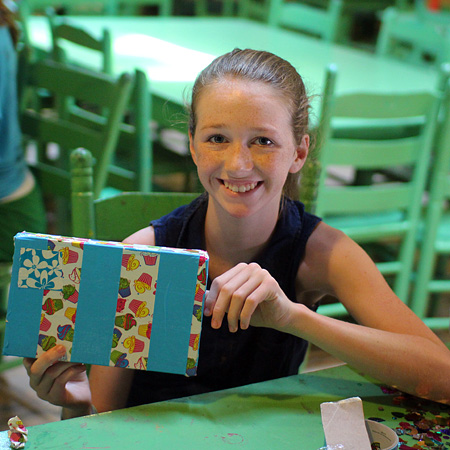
(226, 7)
(432, 280)
(296, 15)
(397, 131)
(413, 37)
(73, 7)
(133, 7)
(101, 102)
(63, 31)
(320, 22)
(132, 164)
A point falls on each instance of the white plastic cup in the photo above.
(385, 436)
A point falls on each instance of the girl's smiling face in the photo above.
(244, 146)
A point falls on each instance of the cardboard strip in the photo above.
(59, 301)
(134, 312)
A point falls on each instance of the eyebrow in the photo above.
(254, 129)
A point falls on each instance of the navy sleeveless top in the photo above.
(248, 356)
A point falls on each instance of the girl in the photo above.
(270, 261)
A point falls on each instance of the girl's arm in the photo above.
(110, 387)
(390, 343)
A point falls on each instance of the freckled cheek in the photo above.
(209, 159)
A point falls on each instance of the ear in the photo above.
(191, 148)
(301, 153)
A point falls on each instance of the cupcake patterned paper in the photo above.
(108, 303)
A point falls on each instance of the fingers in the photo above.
(237, 292)
(216, 287)
(57, 391)
(37, 367)
(48, 376)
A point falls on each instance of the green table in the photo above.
(173, 50)
(279, 414)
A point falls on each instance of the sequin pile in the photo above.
(425, 425)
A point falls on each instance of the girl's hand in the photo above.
(248, 294)
(60, 383)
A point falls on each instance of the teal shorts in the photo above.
(24, 214)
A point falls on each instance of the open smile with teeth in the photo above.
(240, 188)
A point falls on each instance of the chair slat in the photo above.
(365, 199)
(374, 154)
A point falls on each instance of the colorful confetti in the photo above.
(425, 425)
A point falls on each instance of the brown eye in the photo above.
(217, 139)
(263, 141)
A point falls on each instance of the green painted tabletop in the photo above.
(173, 50)
(282, 414)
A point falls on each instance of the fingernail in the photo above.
(60, 349)
(207, 312)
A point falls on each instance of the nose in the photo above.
(239, 158)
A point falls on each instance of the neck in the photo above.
(230, 240)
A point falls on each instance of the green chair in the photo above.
(57, 131)
(114, 218)
(440, 17)
(169, 156)
(382, 216)
(72, 7)
(133, 7)
(223, 7)
(409, 37)
(295, 15)
(131, 169)
(430, 280)
(62, 31)
(143, 154)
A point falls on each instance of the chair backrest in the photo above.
(132, 168)
(380, 213)
(165, 7)
(72, 7)
(254, 9)
(224, 8)
(438, 16)
(411, 38)
(105, 99)
(434, 241)
(412, 151)
(62, 31)
(310, 173)
(312, 20)
(114, 218)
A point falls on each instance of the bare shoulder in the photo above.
(145, 236)
(324, 245)
(338, 266)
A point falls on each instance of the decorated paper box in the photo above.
(108, 303)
